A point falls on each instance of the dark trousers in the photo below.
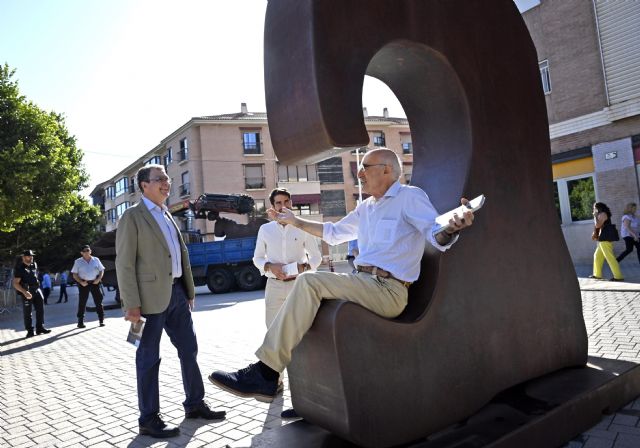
(45, 293)
(37, 302)
(63, 292)
(176, 321)
(630, 243)
(83, 293)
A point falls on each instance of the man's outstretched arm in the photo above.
(287, 217)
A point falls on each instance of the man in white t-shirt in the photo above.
(88, 271)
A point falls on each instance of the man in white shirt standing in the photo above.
(88, 271)
(392, 227)
(279, 244)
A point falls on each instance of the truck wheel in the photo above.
(249, 278)
(220, 281)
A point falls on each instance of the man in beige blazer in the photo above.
(155, 281)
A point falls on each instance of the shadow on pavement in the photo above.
(44, 340)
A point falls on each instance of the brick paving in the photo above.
(76, 387)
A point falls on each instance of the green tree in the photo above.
(55, 239)
(40, 165)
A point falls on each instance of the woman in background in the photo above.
(629, 231)
(604, 249)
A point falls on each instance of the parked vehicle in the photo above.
(223, 265)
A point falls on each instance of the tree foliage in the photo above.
(40, 165)
(56, 240)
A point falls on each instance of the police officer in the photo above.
(26, 283)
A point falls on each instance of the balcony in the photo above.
(183, 155)
(185, 189)
(298, 188)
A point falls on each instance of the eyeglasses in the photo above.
(162, 180)
(364, 166)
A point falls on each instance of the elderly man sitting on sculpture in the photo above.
(390, 226)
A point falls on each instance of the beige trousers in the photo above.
(275, 294)
(385, 297)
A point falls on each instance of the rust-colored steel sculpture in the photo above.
(503, 306)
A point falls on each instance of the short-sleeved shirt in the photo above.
(87, 270)
(28, 275)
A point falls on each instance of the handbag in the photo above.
(609, 232)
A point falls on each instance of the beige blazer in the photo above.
(143, 262)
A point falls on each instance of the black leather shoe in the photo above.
(155, 427)
(81, 324)
(289, 414)
(102, 324)
(616, 279)
(204, 411)
(247, 383)
(30, 333)
(42, 330)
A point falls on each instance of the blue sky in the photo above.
(127, 73)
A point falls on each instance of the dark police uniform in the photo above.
(28, 275)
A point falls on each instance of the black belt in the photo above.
(374, 270)
(176, 280)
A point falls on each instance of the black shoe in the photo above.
(155, 427)
(616, 279)
(204, 411)
(59, 301)
(81, 324)
(102, 324)
(289, 414)
(65, 301)
(595, 278)
(30, 333)
(247, 383)
(42, 330)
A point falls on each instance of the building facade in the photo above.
(589, 59)
(232, 153)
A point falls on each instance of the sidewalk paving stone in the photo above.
(80, 389)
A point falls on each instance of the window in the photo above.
(377, 137)
(259, 206)
(110, 192)
(155, 160)
(254, 177)
(301, 209)
(407, 171)
(185, 189)
(168, 158)
(120, 208)
(330, 171)
(297, 173)
(251, 143)
(132, 185)
(544, 74)
(121, 186)
(574, 198)
(332, 203)
(407, 148)
(111, 215)
(184, 150)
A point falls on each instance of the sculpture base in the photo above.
(546, 411)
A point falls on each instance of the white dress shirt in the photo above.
(391, 231)
(87, 270)
(285, 244)
(170, 232)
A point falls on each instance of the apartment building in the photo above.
(232, 153)
(589, 59)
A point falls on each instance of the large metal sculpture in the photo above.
(504, 305)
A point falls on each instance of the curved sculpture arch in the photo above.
(465, 72)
